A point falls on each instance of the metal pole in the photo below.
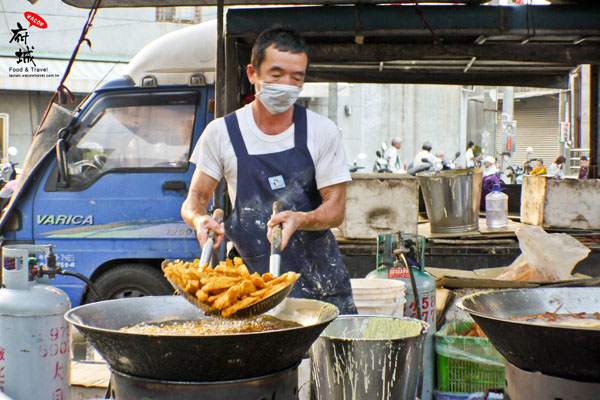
(332, 101)
(594, 121)
(220, 73)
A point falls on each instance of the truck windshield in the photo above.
(133, 132)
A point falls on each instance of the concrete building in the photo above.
(369, 114)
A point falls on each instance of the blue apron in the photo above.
(287, 176)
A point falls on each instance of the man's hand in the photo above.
(290, 222)
(329, 214)
(193, 210)
(205, 223)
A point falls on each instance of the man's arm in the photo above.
(329, 214)
(194, 208)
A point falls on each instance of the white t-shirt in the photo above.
(435, 162)
(392, 155)
(470, 158)
(214, 153)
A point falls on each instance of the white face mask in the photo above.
(278, 98)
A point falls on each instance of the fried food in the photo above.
(227, 288)
(475, 331)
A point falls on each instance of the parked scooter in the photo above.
(354, 167)
(514, 174)
(381, 164)
(7, 173)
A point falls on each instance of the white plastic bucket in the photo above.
(395, 309)
(379, 296)
(384, 288)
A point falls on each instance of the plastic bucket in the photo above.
(375, 289)
(376, 308)
(368, 357)
(452, 199)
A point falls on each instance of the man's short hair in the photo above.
(396, 140)
(284, 39)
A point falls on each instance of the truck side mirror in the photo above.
(61, 160)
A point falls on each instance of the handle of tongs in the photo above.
(276, 230)
(218, 217)
(275, 259)
(207, 249)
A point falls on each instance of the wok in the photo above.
(196, 358)
(566, 352)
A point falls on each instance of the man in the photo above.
(584, 168)
(425, 160)
(538, 167)
(273, 150)
(470, 155)
(440, 155)
(392, 156)
(557, 168)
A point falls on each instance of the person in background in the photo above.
(470, 155)
(557, 168)
(538, 167)
(392, 155)
(426, 160)
(491, 177)
(445, 163)
(584, 167)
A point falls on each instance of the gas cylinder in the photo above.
(34, 336)
(395, 253)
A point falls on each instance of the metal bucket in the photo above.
(452, 199)
(364, 357)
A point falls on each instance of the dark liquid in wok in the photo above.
(211, 326)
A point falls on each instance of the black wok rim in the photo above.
(68, 317)
(471, 297)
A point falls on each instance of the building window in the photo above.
(4, 137)
(186, 15)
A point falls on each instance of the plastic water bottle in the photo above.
(496, 208)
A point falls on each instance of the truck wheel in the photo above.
(130, 280)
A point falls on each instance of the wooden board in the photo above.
(90, 374)
(380, 203)
(484, 279)
(484, 232)
(533, 196)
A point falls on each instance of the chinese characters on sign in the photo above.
(21, 38)
(25, 53)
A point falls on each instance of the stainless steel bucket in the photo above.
(365, 357)
(452, 199)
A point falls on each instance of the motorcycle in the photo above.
(381, 164)
(7, 173)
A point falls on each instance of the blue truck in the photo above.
(104, 184)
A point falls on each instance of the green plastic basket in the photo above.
(466, 364)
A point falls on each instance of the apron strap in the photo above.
(300, 128)
(235, 135)
(237, 141)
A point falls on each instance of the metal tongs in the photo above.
(264, 304)
(207, 249)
